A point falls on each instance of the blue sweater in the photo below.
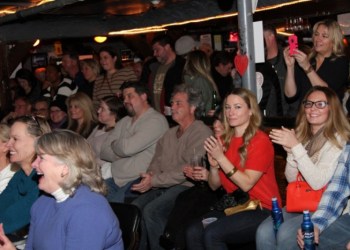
(83, 221)
(17, 199)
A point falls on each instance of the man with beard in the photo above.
(131, 144)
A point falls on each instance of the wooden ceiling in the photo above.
(86, 18)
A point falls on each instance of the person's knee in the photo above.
(265, 231)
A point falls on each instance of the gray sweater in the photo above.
(131, 146)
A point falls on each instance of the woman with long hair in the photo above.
(197, 74)
(325, 61)
(313, 149)
(22, 190)
(82, 116)
(72, 213)
(242, 159)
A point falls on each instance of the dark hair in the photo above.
(140, 88)
(164, 40)
(116, 107)
(271, 28)
(194, 98)
(112, 52)
(26, 75)
(221, 57)
(72, 54)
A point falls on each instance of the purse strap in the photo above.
(300, 178)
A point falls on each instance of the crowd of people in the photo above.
(93, 132)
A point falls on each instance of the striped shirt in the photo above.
(105, 86)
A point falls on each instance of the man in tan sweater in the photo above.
(164, 179)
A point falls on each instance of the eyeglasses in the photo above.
(319, 104)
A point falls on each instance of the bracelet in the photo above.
(232, 172)
(309, 70)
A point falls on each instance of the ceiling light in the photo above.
(155, 2)
(37, 42)
(100, 39)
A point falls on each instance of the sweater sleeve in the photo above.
(318, 174)
(107, 153)
(147, 133)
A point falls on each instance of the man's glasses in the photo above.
(319, 104)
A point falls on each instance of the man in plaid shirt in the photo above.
(331, 223)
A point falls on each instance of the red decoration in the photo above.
(241, 63)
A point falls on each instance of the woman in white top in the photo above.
(313, 149)
(7, 170)
(110, 111)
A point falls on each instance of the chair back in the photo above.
(129, 217)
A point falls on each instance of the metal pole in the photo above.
(245, 25)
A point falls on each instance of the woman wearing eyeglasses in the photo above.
(313, 148)
(22, 190)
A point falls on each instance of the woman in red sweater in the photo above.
(242, 159)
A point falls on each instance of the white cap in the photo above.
(185, 44)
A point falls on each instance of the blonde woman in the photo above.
(7, 170)
(22, 190)
(197, 74)
(326, 60)
(82, 116)
(72, 213)
(246, 164)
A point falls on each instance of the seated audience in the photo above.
(331, 219)
(237, 161)
(164, 178)
(111, 110)
(82, 116)
(72, 213)
(58, 115)
(193, 202)
(22, 106)
(41, 108)
(130, 146)
(7, 169)
(22, 190)
(313, 149)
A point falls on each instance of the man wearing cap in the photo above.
(184, 45)
(164, 73)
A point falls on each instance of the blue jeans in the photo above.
(116, 193)
(286, 235)
(337, 235)
(235, 229)
(156, 206)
